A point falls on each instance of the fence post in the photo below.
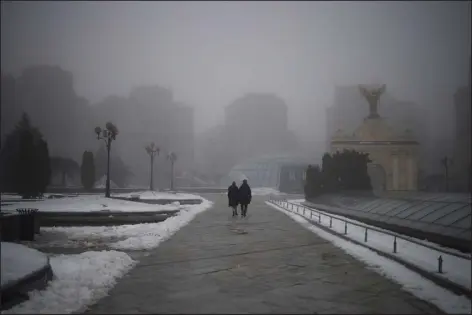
(330, 222)
(319, 218)
(365, 235)
(345, 227)
(440, 263)
(395, 244)
(311, 214)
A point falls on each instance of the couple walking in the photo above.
(241, 195)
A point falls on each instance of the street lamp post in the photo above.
(108, 135)
(152, 150)
(446, 162)
(172, 157)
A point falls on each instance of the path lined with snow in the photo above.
(455, 269)
(260, 264)
(410, 281)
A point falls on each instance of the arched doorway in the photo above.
(378, 176)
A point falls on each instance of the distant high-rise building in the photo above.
(461, 159)
(150, 114)
(256, 125)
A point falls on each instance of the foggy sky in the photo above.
(211, 53)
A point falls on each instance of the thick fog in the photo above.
(209, 54)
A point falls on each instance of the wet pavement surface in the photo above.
(265, 263)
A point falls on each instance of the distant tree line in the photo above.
(47, 95)
(346, 170)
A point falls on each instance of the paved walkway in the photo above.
(266, 263)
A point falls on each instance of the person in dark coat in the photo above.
(245, 197)
(233, 198)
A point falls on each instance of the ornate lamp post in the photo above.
(108, 135)
(152, 150)
(172, 157)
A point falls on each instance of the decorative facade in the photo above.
(394, 156)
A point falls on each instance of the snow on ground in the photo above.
(423, 241)
(79, 280)
(265, 191)
(19, 261)
(126, 237)
(456, 269)
(151, 237)
(102, 183)
(156, 195)
(6, 197)
(88, 203)
(410, 281)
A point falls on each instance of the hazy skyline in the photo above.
(211, 53)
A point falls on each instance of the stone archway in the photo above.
(378, 176)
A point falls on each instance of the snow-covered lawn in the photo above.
(88, 203)
(411, 281)
(19, 261)
(156, 195)
(125, 237)
(81, 280)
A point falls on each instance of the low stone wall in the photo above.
(81, 190)
(162, 201)
(102, 218)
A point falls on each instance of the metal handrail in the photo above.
(346, 221)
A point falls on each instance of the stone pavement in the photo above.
(266, 263)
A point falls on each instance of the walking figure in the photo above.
(233, 196)
(245, 197)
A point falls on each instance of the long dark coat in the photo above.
(245, 194)
(233, 196)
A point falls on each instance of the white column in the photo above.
(395, 173)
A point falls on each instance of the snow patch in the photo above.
(134, 236)
(79, 280)
(151, 237)
(19, 261)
